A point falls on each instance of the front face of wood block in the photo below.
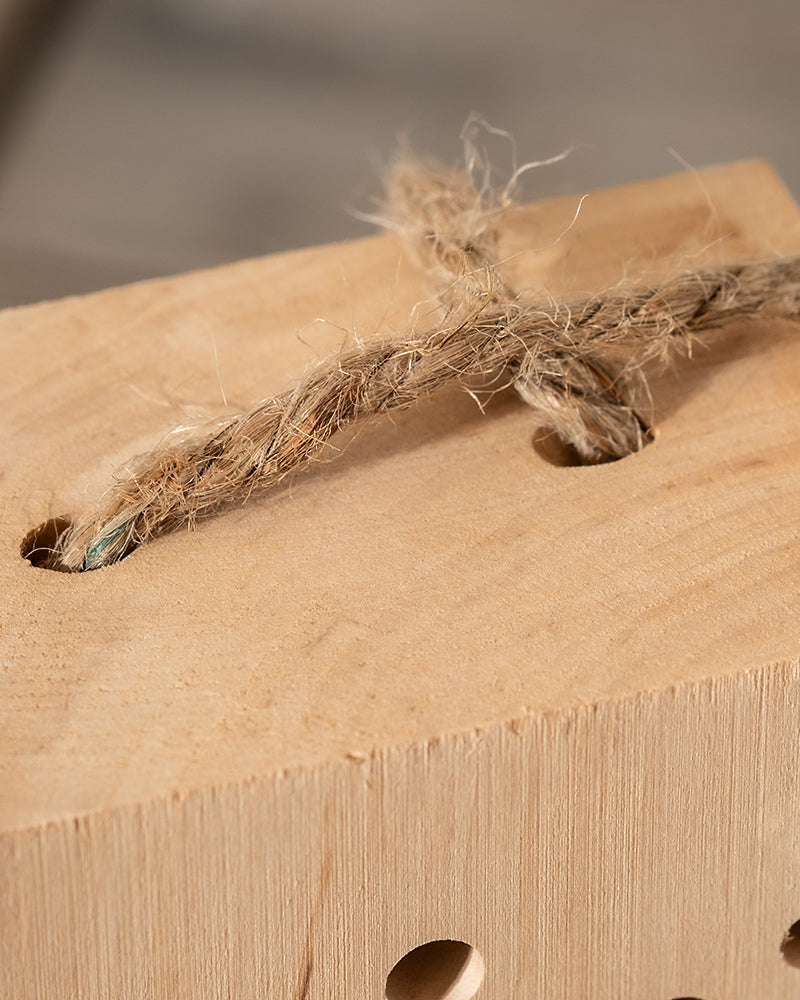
(437, 689)
(640, 849)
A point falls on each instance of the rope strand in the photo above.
(560, 358)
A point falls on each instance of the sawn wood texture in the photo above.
(435, 687)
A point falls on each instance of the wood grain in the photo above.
(435, 689)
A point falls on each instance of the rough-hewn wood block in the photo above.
(438, 689)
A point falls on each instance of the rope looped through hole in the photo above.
(579, 365)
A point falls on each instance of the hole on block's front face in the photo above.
(438, 970)
(790, 946)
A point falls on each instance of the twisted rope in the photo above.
(560, 358)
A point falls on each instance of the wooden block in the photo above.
(436, 690)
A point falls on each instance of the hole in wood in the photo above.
(555, 450)
(438, 970)
(39, 545)
(790, 946)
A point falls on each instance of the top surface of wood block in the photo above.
(439, 575)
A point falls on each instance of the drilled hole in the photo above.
(790, 946)
(39, 545)
(438, 970)
(555, 450)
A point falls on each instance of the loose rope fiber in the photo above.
(560, 357)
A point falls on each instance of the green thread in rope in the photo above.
(91, 555)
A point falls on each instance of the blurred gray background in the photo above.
(147, 137)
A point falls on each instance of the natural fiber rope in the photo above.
(559, 357)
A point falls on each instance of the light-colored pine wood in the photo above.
(436, 689)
